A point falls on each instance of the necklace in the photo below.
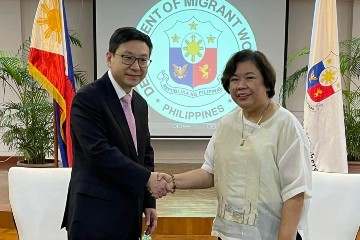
(257, 124)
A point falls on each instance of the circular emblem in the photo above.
(192, 40)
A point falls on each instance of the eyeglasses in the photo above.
(129, 60)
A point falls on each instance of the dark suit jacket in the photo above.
(107, 191)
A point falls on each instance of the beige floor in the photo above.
(4, 193)
(189, 203)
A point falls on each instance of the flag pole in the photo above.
(56, 157)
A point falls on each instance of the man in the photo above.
(113, 158)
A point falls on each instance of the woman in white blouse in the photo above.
(258, 160)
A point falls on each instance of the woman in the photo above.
(258, 159)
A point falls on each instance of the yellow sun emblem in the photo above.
(52, 20)
(193, 48)
(328, 77)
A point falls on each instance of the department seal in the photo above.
(193, 39)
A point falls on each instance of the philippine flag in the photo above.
(323, 109)
(50, 63)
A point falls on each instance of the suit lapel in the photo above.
(116, 108)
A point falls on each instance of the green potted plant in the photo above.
(350, 72)
(27, 121)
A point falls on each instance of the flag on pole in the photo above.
(50, 63)
(323, 108)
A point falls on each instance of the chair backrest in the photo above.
(37, 198)
(334, 212)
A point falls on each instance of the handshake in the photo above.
(160, 184)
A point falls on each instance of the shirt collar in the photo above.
(119, 91)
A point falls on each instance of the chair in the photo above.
(37, 198)
(334, 212)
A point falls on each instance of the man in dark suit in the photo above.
(113, 162)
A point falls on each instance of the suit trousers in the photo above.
(73, 238)
(135, 237)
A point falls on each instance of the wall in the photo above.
(16, 17)
(10, 23)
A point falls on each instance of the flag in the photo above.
(323, 107)
(50, 63)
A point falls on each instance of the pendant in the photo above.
(242, 142)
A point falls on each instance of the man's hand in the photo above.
(169, 179)
(150, 220)
(165, 176)
(158, 186)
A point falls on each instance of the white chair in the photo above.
(334, 212)
(37, 198)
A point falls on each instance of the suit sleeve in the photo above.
(149, 201)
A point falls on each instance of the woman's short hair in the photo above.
(258, 58)
(125, 34)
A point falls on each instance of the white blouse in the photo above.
(285, 171)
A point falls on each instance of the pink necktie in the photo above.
(130, 117)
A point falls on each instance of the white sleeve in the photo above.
(295, 166)
(208, 164)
